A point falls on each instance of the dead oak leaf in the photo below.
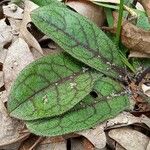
(136, 40)
(5, 33)
(129, 138)
(18, 57)
(24, 33)
(9, 128)
(13, 11)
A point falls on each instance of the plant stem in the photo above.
(119, 22)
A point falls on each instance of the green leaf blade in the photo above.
(48, 2)
(86, 114)
(80, 38)
(49, 86)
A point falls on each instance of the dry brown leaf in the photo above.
(87, 145)
(119, 147)
(148, 146)
(9, 128)
(136, 39)
(3, 53)
(76, 144)
(145, 120)
(18, 57)
(96, 136)
(53, 144)
(139, 6)
(5, 33)
(3, 96)
(93, 12)
(29, 38)
(129, 139)
(1, 79)
(146, 89)
(15, 25)
(107, 1)
(29, 142)
(53, 48)
(146, 6)
(13, 11)
(126, 119)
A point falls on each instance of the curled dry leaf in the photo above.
(139, 6)
(5, 33)
(146, 6)
(93, 12)
(29, 38)
(129, 139)
(119, 147)
(76, 144)
(125, 119)
(96, 136)
(146, 89)
(136, 39)
(18, 57)
(9, 128)
(13, 11)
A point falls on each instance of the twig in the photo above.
(36, 143)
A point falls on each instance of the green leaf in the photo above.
(109, 17)
(88, 113)
(142, 21)
(49, 86)
(107, 5)
(48, 2)
(80, 38)
(40, 2)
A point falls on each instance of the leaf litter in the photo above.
(19, 54)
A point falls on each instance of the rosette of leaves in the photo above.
(75, 89)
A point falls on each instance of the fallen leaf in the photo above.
(53, 144)
(13, 11)
(76, 144)
(148, 146)
(146, 6)
(93, 12)
(18, 57)
(96, 136)
(29, 38)
(139, 6)
(145, 120)
(1, 79)
(129, 139)
(3, 96)
(9, 128)
(107, 1)
(15, 25)
(3, 53)
(29, 142)
(5, 33)
(136, 40)
(146, 89)
(87, 145)
(126, 119)
(119, 147)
